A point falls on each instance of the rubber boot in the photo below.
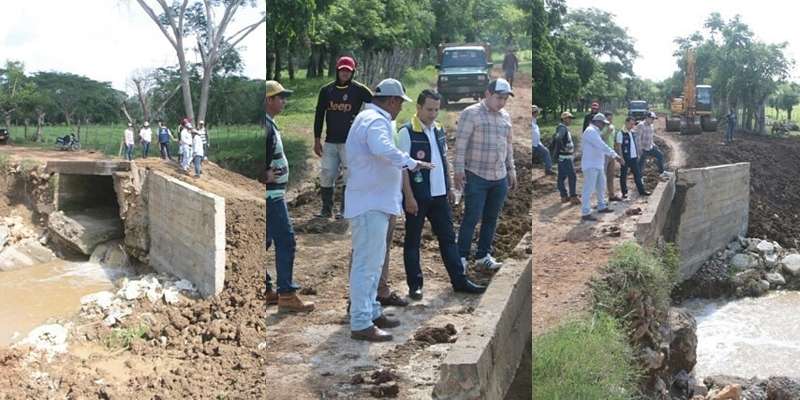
(340, 214)
(327, 202)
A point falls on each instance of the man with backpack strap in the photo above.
(564, 151)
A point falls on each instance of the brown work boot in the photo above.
(272, 297)
(290, 302)
(371, 334)
(392, 300)
(384, 322)
(575, 200)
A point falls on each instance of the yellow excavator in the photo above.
(692, 113)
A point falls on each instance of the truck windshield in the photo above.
(638, 105)
(463, 58)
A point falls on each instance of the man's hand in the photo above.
(411, 205)
(620, 161)
(268, 176)
(459, 177)
(317, 147)
(512, 181)
(451, 197)
(423, 165)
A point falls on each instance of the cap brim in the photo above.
(406, 98)
(347, 67)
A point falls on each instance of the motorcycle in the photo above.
(68, 142)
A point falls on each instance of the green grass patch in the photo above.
(121, 338)
(587, 359)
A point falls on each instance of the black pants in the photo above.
(437, 211)
(633, 165)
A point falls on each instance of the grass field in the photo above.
(238, 147)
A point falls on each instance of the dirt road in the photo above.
(312, 356)
(568, 252)
(214, 347)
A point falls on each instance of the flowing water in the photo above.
(31, 296)
(748, 337)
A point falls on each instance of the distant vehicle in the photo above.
(692, 113)
(638, 109)
(463, 71)
(68, 142)
(4, 136)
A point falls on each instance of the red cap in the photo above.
(595, 105)
(346, 63)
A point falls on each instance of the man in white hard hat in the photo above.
(373, 193)
(593, 163)
(145, 136)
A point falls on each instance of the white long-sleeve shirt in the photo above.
(128, 136)
(186, 137)
(146, 134)
(374, 165)
(536, 134)
(595, 149)
(197, 146)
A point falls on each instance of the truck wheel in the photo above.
(709, 124)
(673, 124)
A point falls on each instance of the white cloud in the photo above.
(103, 39)
(655, 24)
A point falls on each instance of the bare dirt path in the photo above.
(311, 356)
(215, 346)
(567, 253)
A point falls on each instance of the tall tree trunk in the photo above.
(205, 87)
(321, 61)
(311, 67)
(186, 88)
(789, 113)
(39, 123)
(25, 131)
(278, 61)
(332, 62)
(290, 59)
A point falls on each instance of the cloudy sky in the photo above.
(655, 24)
(103, 39)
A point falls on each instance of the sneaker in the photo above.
(489, 262)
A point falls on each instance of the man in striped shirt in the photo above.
(484, 169)
(204, 137)
(279, 225)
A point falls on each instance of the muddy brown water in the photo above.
(31, 296)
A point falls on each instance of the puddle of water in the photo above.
(748, 337)
(30, 296)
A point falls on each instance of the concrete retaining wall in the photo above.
(652, 221)
(483, 362)
(187, 232)
(712, 206)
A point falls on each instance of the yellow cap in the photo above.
(566, 114)
(274, 88)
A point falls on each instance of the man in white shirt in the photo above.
(146, 136)
(204, 136)
(186, 146)
(426, 194)
(127, 139)
(593, 162)
(374, 179)
(197, 153)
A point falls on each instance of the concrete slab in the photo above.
(187, 232)
(482, 363)
(99, 167)
(83, 231)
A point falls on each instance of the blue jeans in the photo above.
(437, 211)
(654, 152)
(544, 154)
(198, 160)
(129, 152)
(566, 170)
(280, 231)
(729, 133)
(165, 151)
(633, 165)
(594, 181)
(145, 148)
(483, 200)
(369, 251)
(186, 156)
